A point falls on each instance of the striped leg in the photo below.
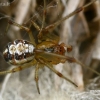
(57, 72)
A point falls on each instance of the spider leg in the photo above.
(36, 77)
(52, 26)
(35, 25)
(16, 69)
(43, 21)
(6, 29)
(57, 72)
(24, 28)
(78, 62)
(12, 70)
(73, 60)
(44, 14)
(53, 56)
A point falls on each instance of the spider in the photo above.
(47, 52)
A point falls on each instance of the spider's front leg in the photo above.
(43, 20)
(80, 9)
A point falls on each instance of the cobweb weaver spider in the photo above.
(47, 52)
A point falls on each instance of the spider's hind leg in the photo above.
(50, 66)
(59, 74)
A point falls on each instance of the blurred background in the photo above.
(82, 31)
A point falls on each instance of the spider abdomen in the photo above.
(19, 52)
